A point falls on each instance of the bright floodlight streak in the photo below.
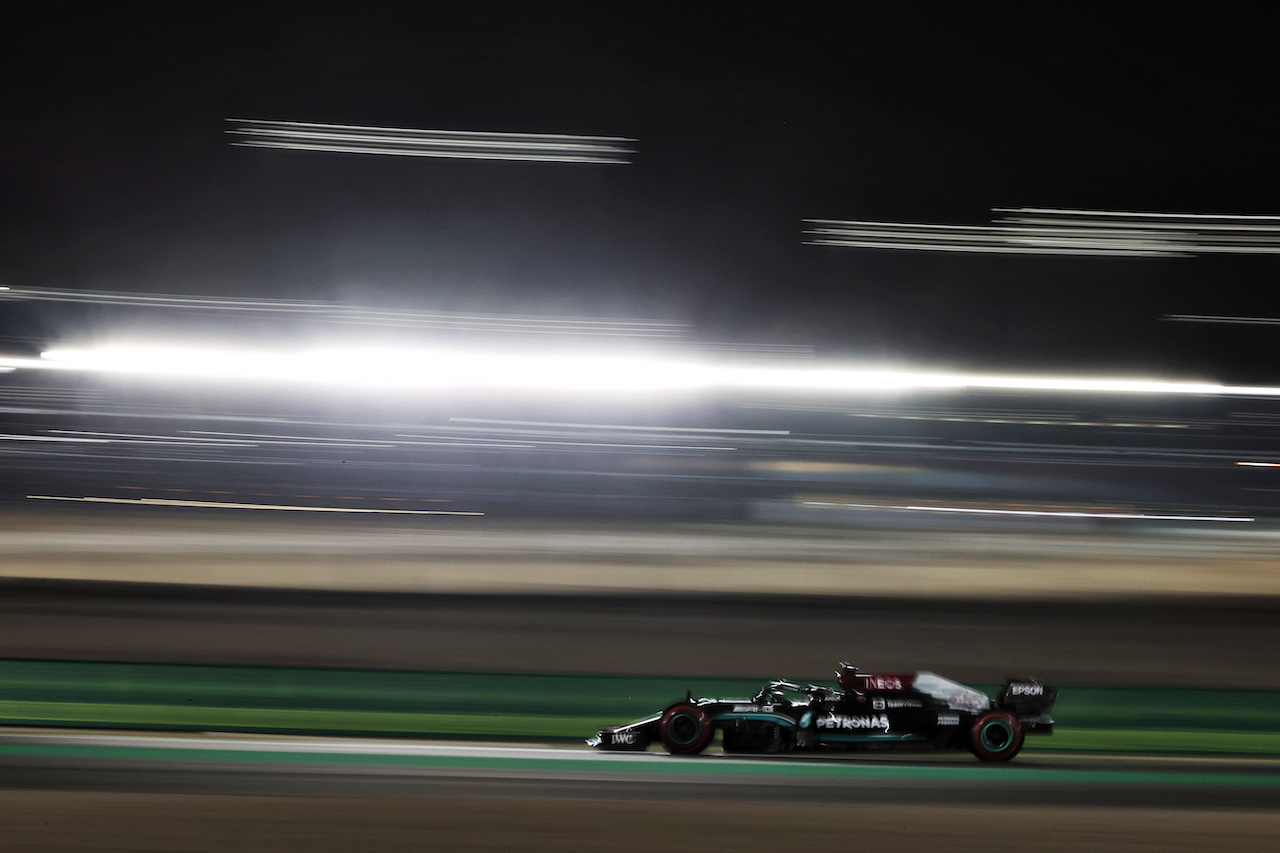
(563, 372)
(1046, 231)
(407, 142)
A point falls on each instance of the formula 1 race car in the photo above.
(868, 711)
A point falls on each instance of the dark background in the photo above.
(118, 174)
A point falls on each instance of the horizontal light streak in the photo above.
(1210, 318)
(1035, 512)
(539, 442)
(151, 438)
(579, 372)
(329, 746)
(1071, 514)
(407, 142)
(1063, 232)
(626, 427)
(980, 238)
(1260, 464)
(1071, 212)
(54, 438)
(1009, 419)
(173, 502)
(474, 444)
(196, 439)
(544, 442)
(293, 440)
(334, 312)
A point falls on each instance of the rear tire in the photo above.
(996, 736)
(685, 729)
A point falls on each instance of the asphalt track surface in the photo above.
(222, 765)
(141, 793)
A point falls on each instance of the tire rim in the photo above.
(684, 728)
(996, 736)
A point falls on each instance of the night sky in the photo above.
(118, 173)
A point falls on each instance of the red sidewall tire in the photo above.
(996, 736)
(685, 729)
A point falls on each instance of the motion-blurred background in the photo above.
(645, 343)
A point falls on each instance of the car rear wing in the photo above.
(1029, 701)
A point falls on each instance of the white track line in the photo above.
(333, 747)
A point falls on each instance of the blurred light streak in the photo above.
(1010, 419)
(474, 444)
(560, 372)
(1031, 512)
(600, 444)
(1066, 514)
(1260, 464)
(1208, 318)
(1064, 232)
(534, 439)
(469, 440)
(148, 439)
(1068, 212)
(627, 427)
(228, 505)
(976, 238)
(294, 440)
(68, 439)
(322, 442)
(405, 142)
(495, 324)
(57, 395)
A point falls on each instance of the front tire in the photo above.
(685, 729)
(996, 736)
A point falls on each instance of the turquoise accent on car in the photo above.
(770, 718)
(884, 737)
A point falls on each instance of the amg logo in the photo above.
(1026, 689)
(840, 721)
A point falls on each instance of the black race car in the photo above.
(868, 711)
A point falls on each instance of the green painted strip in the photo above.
(282, 719)
(852, 769)
(549, 707)
(1143, 740)
(349, 690)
